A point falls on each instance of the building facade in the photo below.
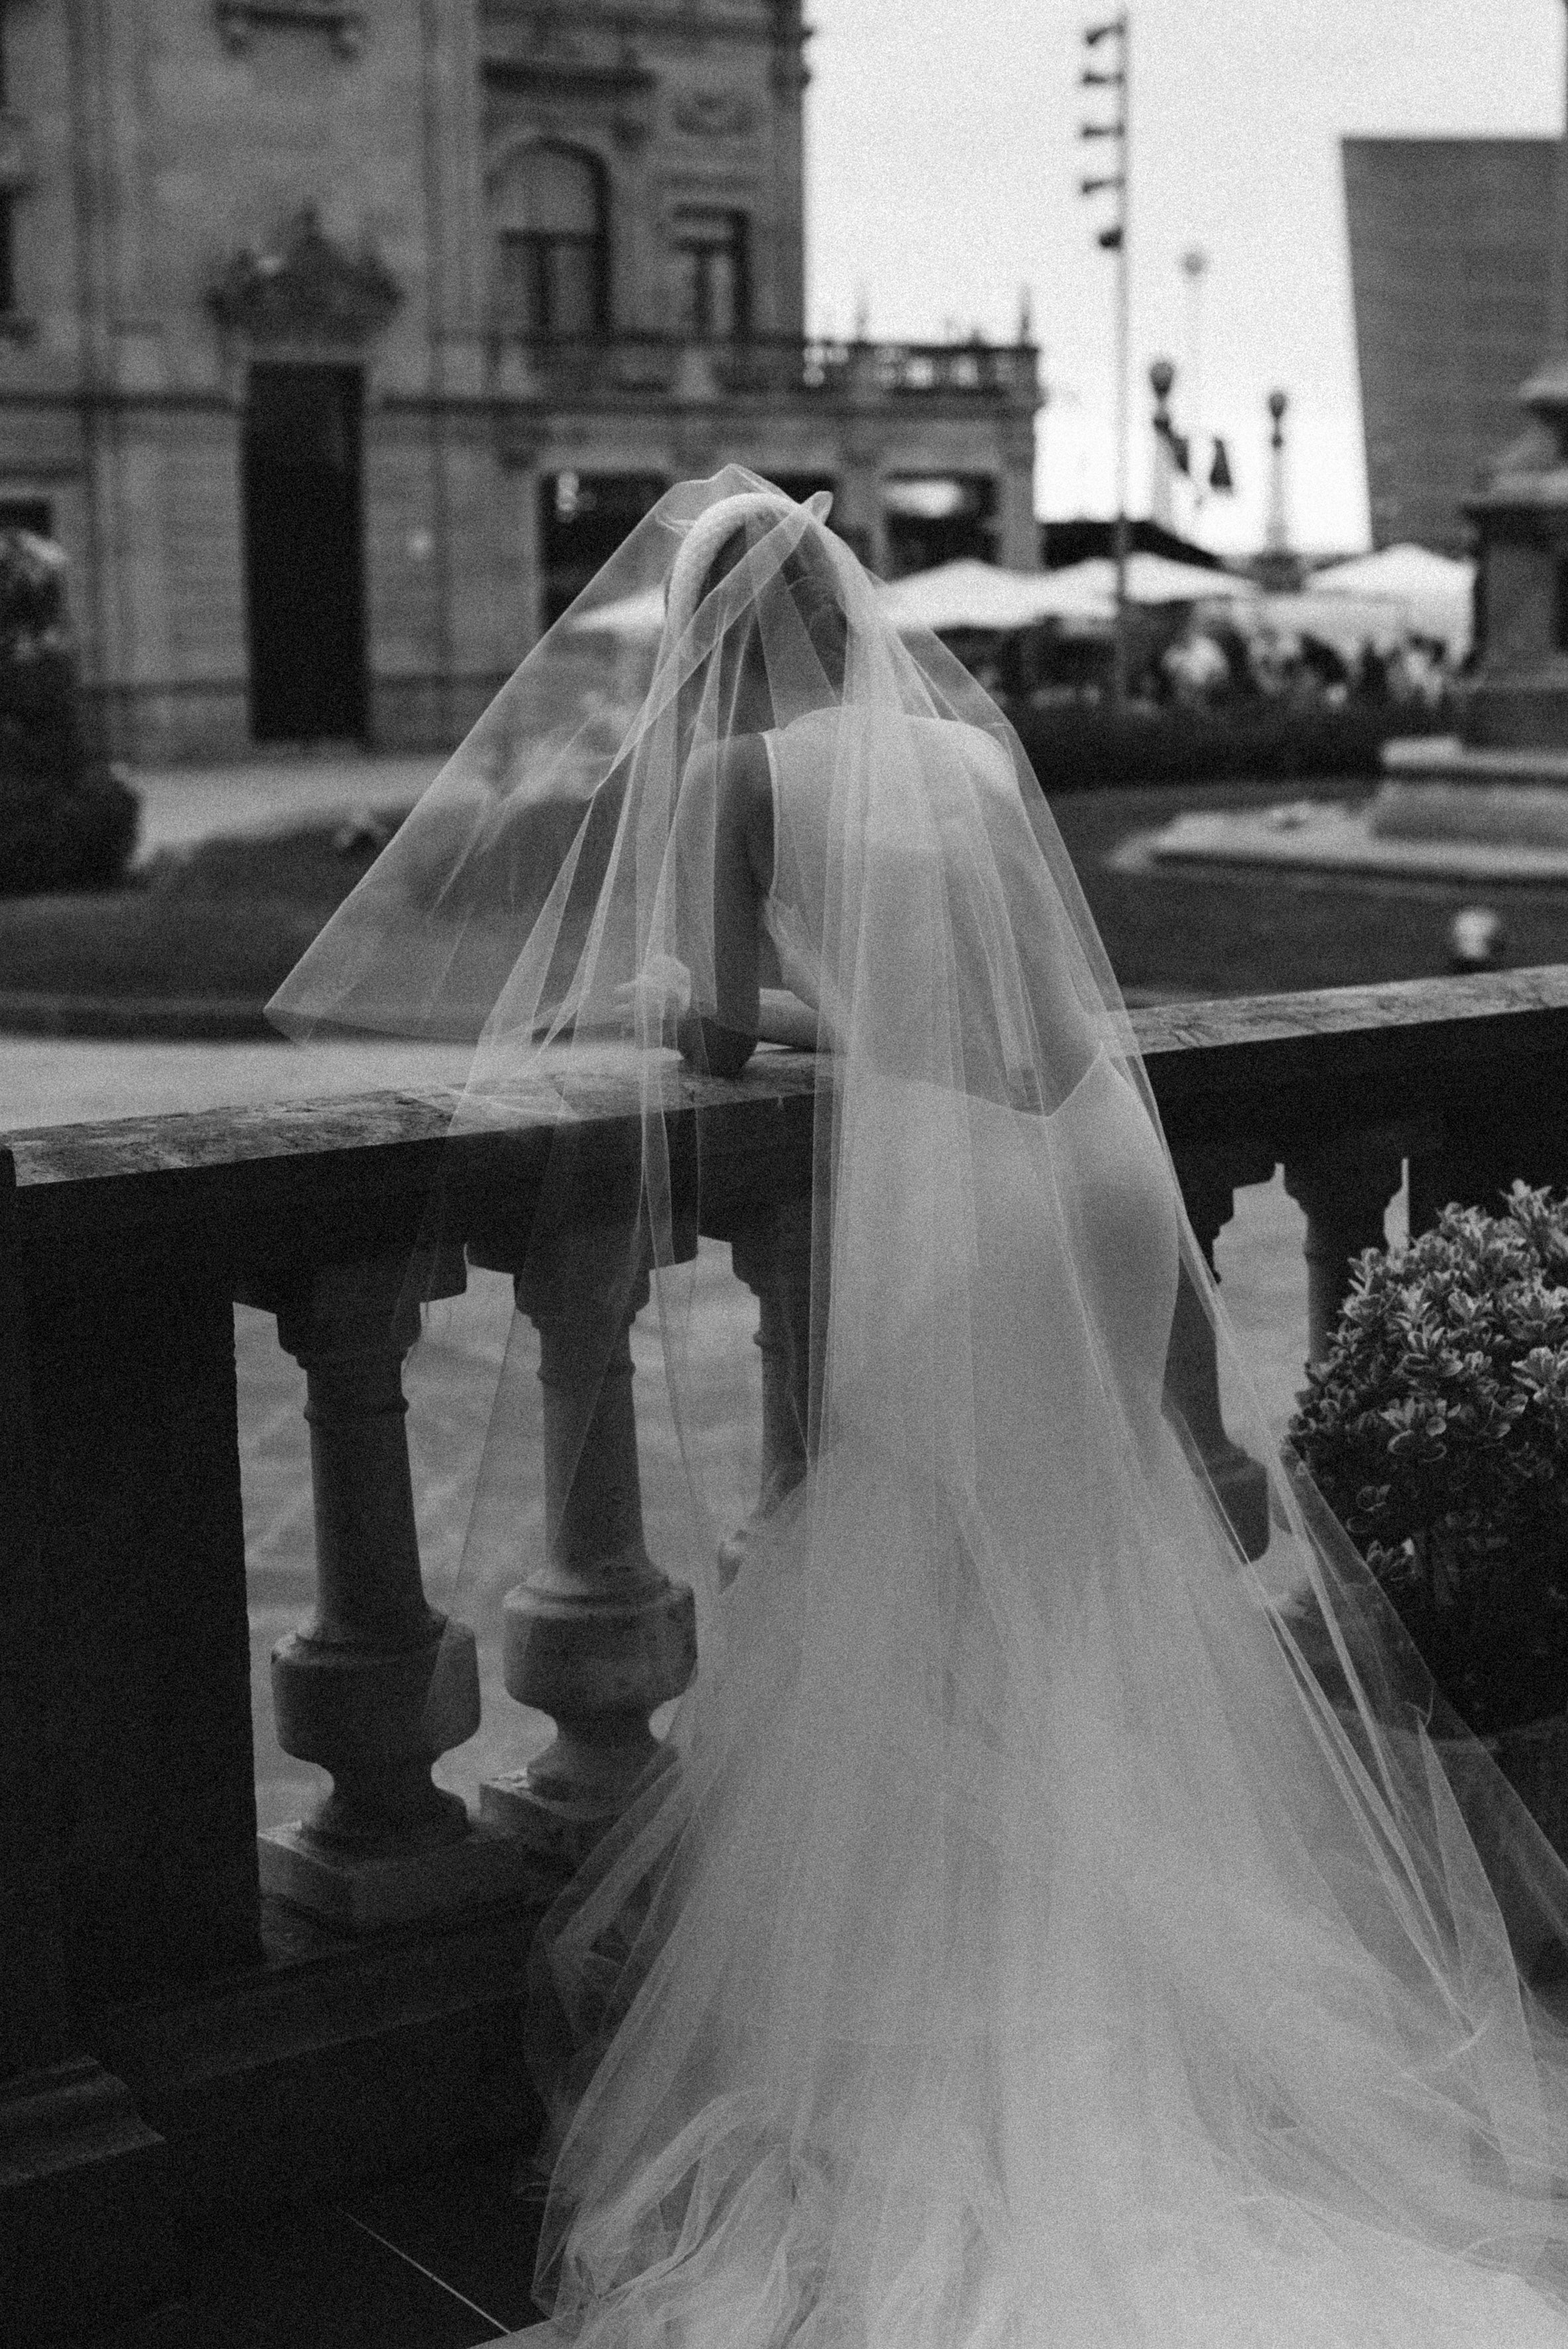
(339, 344)
(1453, 255)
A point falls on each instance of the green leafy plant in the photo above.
(1437, 1429)
(67, 822)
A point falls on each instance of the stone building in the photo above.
(339, 343)
(1452, 262)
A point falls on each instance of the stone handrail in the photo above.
(130, 1886)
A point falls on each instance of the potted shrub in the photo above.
(1437, 1430)
(66, 821)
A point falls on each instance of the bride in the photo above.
(1024, 1950)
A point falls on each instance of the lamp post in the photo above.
(1170, 450)
(1277, 567)
(1194, 266)
(1277, 524)
(1114, 239)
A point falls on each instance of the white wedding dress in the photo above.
(1069, 2001)
(1025, 1952)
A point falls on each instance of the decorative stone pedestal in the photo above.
(1439, 787)
(1505, 780)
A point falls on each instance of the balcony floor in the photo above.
(436, 2257)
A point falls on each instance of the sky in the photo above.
(942, 162)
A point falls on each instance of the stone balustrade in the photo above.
(772, 367)
(187, 2012)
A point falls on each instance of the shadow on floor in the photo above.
(438, 2257)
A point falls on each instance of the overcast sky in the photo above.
(943, 164)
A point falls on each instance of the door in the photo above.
(305, 553)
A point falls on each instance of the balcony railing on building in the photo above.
(188, 2014)
(566, 366)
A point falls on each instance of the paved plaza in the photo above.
(180, 805)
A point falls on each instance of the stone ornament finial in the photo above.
(305, 286)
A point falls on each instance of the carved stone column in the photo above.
(1344, 1191)
(771, 1253)
(378, 1684)
(596, 1636)
(1210, 1178)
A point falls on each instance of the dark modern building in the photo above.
(1451, 258)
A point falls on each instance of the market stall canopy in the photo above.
(633, 617)
(1346, 623)
(969, 593)
(1433, 592)
(1154, 579)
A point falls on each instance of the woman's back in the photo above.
(901, 841)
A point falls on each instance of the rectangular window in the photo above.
(714, 274)
(551, 286)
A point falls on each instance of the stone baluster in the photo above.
(1210, 1178)
(378, 1684)
(1344, 1191)
(771, 1253)
(596, 1636)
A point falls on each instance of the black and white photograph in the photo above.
(784, 1173)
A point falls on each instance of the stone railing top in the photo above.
(775, 365)
(1280, 1065)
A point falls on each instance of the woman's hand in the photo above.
(783, 1019)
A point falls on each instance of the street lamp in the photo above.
(1194, 266)
(1172, 452)
(1113, 238)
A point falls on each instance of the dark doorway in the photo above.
(583, 518)
(938, 518)
(305, 560)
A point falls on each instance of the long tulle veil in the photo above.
(1033, 1942)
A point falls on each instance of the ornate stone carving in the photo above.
(714, 113)
(238, 19)
(304, 286)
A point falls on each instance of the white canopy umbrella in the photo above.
(632, 617)
(1432, 591)
(1155, 579)
(969, 593)
(1347, 623)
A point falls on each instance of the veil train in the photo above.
(1025, 1948)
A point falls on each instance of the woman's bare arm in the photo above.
(784, 1018)
(722, 1042)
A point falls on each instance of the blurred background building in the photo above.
(340, 344)
(1451, 257)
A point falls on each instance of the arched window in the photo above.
(551, 251)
